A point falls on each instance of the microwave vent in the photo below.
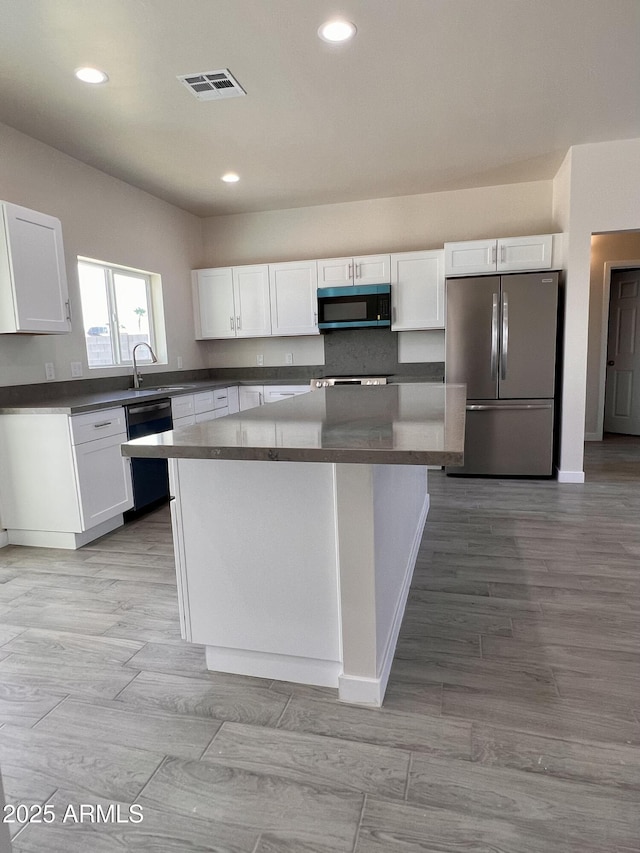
(212, 85)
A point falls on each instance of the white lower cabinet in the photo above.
(282, 392)
(250, 396)
(64, 481)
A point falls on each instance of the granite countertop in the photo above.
(407, 424)
(73, 404)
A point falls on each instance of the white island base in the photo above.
(297, 571)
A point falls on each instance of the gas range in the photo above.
(329, 381)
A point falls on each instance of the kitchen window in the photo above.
(121, 307)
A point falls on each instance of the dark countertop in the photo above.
(73, 404)
(411, 424)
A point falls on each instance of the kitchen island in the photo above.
(297, 525)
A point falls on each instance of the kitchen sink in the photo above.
(171, 388)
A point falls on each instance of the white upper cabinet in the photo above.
(33, 280)
(506, 254)
(294, 301)
(344, 272)
(232, 302)
(251, 295)
(417, 290)
(214, 308)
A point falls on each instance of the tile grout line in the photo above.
(279, 720)
(359, 825)
(55, 707)
(406, 781)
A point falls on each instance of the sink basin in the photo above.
(170, 388)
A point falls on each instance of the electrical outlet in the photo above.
(49, 370)
(289, 358)
(260, 360)
(76, 369)
(179, 362)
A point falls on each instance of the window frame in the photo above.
(155, 324)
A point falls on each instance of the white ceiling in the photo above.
(431, 95)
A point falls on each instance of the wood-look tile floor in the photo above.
(511, 722)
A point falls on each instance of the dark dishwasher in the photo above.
(150, 476)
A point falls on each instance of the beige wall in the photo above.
(620, 247)
(398, 224)
(109, 220)
(603, 196)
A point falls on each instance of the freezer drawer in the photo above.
(508, 438)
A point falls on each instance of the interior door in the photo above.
(471, 337)
(622, 390)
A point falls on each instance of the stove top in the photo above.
(329, 381)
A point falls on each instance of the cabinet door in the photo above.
(294, 299)
(36, 270)
(182, 407)
(372, 269)
(470, 257)
(417, 290)
(525, 253)
(335, 272)
(250, 396)
(207, 416)
(251, 296)
(104, 479)
(233, 399)
(215, 315)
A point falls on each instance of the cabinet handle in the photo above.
(68, 306)
(231, 323)
(238, 326)
(502, 254)
(259, 398)
(102, 424)
(350, 271)
(393, 314)
(357, 270)
(494, 254)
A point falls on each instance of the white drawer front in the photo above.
(182, 406)
(220, 398)
(203, 401)
(100, 424)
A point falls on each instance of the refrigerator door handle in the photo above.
(494, 337)
(477, 407)
(505, 336)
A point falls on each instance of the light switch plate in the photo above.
(179, 361)
(260, 360)
(289, 358)
(76, 369)
(49, 370)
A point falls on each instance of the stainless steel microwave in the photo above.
(354, 307)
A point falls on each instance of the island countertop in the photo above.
(405, 424)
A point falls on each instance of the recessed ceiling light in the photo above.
(337, 31)
(230, 178)
(91, 75)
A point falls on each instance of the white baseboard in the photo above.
(57, 539)
(4, 538)
(570, 476)
(593, 436)
(358, 690)
(300, 670)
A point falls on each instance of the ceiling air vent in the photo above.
(212, 85)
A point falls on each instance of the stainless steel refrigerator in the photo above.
(501, 341)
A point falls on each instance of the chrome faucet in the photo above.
(137, 379)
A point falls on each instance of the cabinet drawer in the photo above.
(220, 398)
(203, 401)
(100, 424)
(183, 406)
